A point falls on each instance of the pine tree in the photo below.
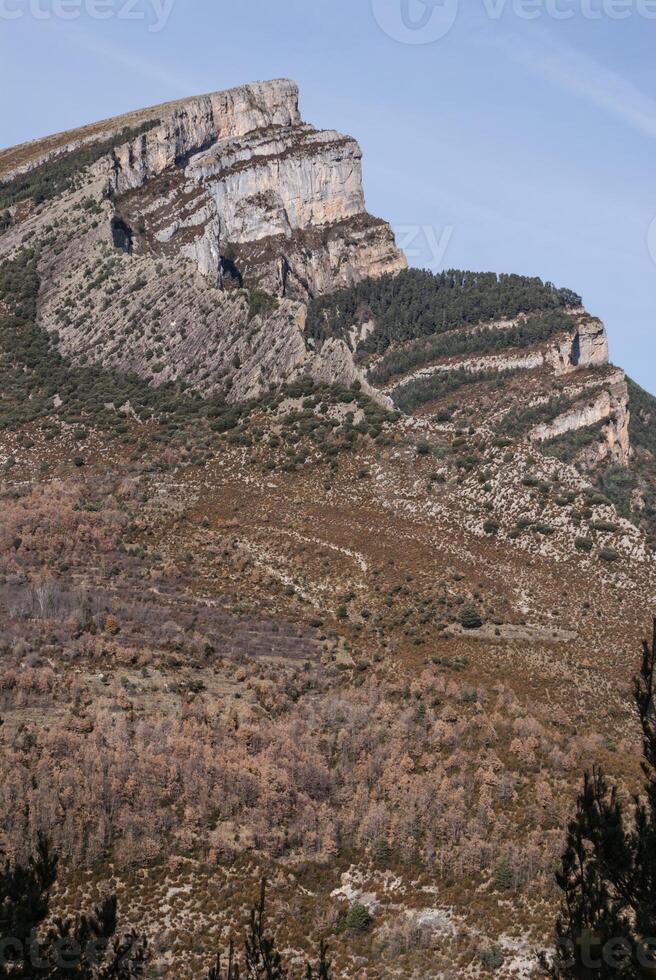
(323, 967)
(383, 850)
(608, 869)
(358, 918)
(503, 877)
(232, 972)
(88, 944)
(262, 958)
(24, 903)
(470, 618)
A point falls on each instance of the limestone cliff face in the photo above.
(609, 405)
(192, 125)
(236, 182)
(155, 239)
(585, 346)
(280, 181)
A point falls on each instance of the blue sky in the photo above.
(516, 136)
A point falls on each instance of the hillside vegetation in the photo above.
(417, 303)
(533, 330)
(344, 596)
(53, 178)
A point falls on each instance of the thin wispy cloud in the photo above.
(122, 56)
(578, 74)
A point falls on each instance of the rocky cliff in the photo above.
(186, 242)
(568, 380)
(251, 194)
(167, 221)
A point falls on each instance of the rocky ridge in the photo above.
(152, 259)
(576, 358)
(224, 191)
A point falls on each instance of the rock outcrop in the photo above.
(610, 405)
(585, 346)
(189, 127)
(236, 182)
(218, 192)
(573, 365)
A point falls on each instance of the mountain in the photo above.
(311, 565)
(526, 358)
(227, 190)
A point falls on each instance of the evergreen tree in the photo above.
(24, 901)
(262, 958)
(607, 924)
(323, 967)
(503, 877)
(358, 918)
(232, 972)
(470, 618)
(85, 948)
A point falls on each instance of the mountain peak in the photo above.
(279, 94)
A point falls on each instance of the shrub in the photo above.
(111, 625)
(491, 527)
(607, 554)
(358, 918)
(260, 303)
(605, 526)
(492, 958)
(469, 618)
(583, 544)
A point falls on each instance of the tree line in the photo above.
(526, 333)
(416, 303)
